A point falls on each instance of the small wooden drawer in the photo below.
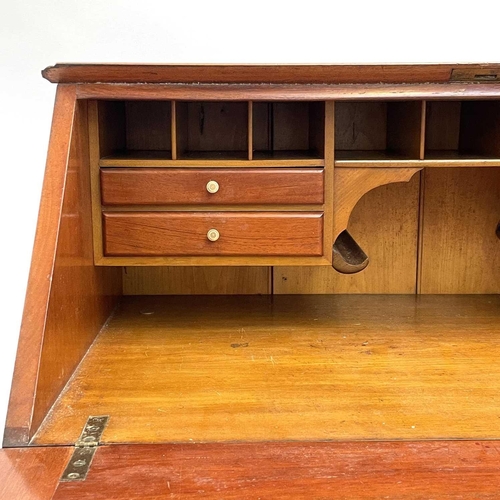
(211, 234)
(235, 186)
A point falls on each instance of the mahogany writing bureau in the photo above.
(263, 282)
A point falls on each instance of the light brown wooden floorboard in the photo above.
(205, 369)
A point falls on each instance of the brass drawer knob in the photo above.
(212, 186)
(213, 234)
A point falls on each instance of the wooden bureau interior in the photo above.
(264, 261)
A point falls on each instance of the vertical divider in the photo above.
(422, 130)
(173, 129)
(328, 205)
(420, 224)
(95, 180)
(250, 130)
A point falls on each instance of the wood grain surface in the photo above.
(147, 125)
(404, 127)
(257, 73)
(70, 330)
(189, 186)
(460, 248)
(23, 392)
(168, 280)
(433, 159)
(212, 126)
(361, 126)
(328, 206)
(147, 159)
(442, 128)
(364, 471)
(385, 224)
(279, 127)
(31, 473)
(241, 233)
(56, 334)
(298, 92)
(351, 184)
(290, 126)
(211, 369)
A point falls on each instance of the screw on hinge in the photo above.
(85, 448)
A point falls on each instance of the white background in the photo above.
(38, 33)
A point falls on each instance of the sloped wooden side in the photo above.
(68, 299)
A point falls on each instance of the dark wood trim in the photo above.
(258, 73)
(273, 92)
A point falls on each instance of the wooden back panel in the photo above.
(385, 224)
(455, 218)
(181, 280)
(148, 125)
(460, 248)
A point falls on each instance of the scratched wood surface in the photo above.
(254, 73)
(68, 299)
(70, 330)
(31, 473)
(398, 470)
(207, 369)
(385, 224)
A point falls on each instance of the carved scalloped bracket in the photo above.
(351, 184)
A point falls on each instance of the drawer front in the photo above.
(213, 234)
(177, 186)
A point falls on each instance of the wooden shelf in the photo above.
(221, 159)
(214, 155)
(135, 158)
(388, 159)
(284, 130)
(462, 130)
(382, 158)
(204, 369)
(455, 158)
(309, 156)
(378, 130)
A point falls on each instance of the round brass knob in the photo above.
(212, 186)
(213, 234)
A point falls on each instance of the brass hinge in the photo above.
(85, 448)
